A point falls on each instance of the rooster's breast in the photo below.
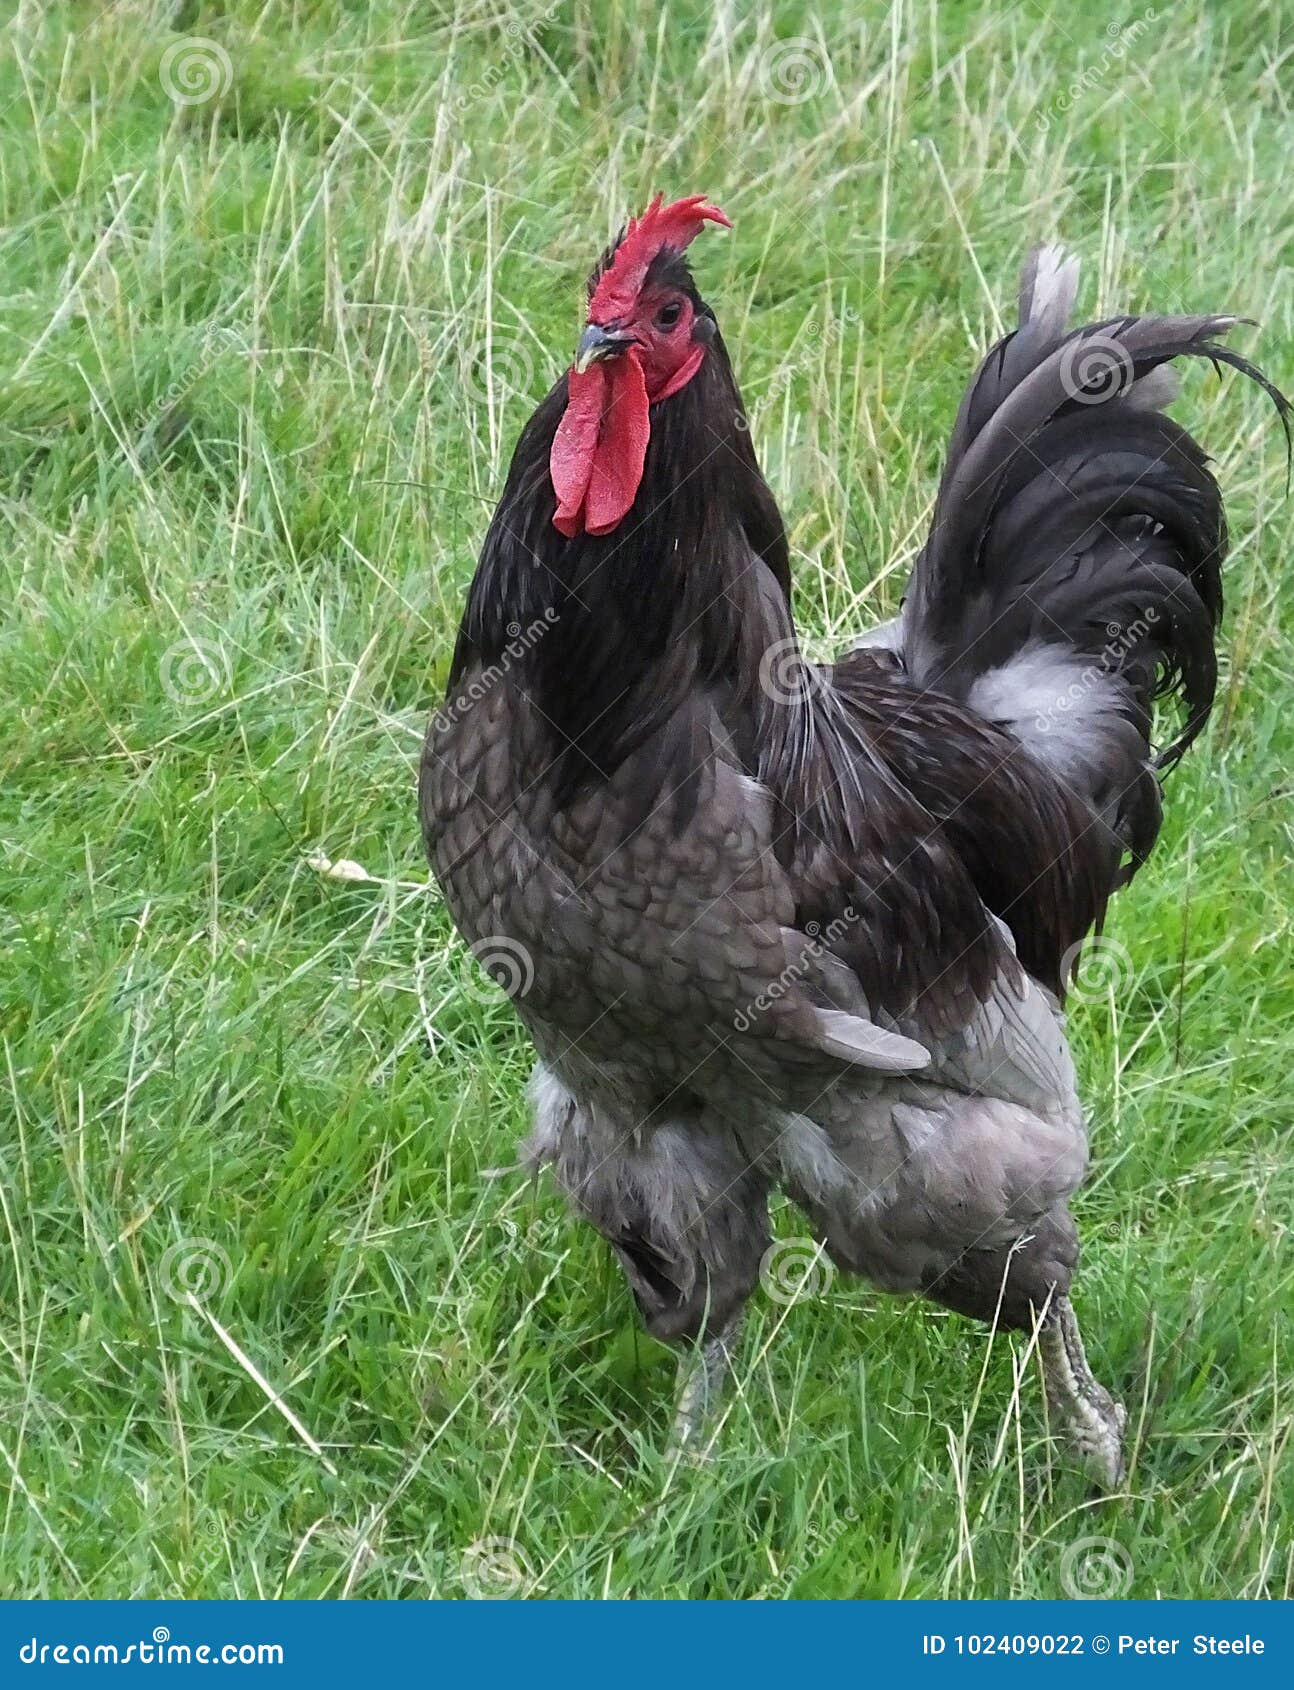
(646, 952)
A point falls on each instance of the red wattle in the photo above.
(686, 370)
(570, 462)
(597, 455)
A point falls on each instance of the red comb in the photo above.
(659, 226)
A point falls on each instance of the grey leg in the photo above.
(703, 1373)
(1080, 1405)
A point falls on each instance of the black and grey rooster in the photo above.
(772, 924)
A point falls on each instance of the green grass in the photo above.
(262, 362)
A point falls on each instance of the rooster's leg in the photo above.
(1007, 1290)
(703, 1373)
(1079, 1403)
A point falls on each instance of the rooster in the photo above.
(809, 927)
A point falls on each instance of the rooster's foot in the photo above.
(703, 1373)
(1080, 1405)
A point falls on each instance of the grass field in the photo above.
(274, 304)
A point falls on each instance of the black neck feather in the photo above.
(607, 635)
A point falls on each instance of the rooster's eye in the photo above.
(669, 314)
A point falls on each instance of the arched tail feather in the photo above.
(1073, 572)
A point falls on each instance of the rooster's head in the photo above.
(645, 338)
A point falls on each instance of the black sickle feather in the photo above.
(1075, 518)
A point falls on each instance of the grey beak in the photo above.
(597, 343)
